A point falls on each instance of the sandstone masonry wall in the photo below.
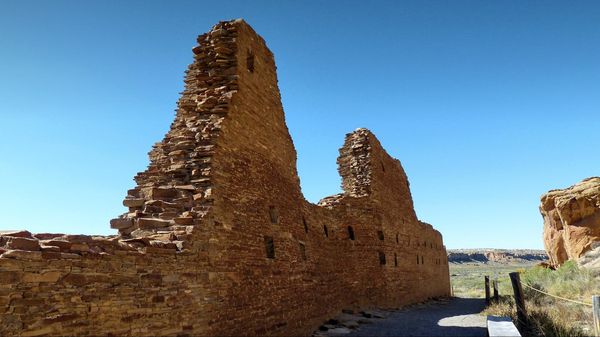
(218, 238)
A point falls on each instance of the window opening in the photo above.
(270, 247)
(351, 233)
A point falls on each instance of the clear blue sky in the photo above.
(488, 104)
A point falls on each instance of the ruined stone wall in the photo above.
(218, 239)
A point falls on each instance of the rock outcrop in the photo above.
(571, 221)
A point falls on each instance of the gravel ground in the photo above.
(453, 317)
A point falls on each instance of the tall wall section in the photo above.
(218, 238)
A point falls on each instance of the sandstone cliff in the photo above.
(571, 220)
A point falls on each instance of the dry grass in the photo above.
(543, 320)
(549, 316)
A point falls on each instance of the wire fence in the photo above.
(555, 296)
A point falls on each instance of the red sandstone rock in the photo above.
(17, 234)
(120, 223)
(571, 220)
(80, 247)
(50, 276)
(63, 245)
(152, 223)
(23, 255)
(47, 236)
(133, 202)
(22, 243)
(46, 248)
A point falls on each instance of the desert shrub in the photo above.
(549, 316)
(568, 281)
(541, 322)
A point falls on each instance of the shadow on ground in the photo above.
(453, 317)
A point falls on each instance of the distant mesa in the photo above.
(502, 256)
(572, 223)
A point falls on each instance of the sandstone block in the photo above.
(62, 244)
(51, 255)
(23, 255)
(121, 223)
(80, 247)
(17, 234)
(162, 244)
(70, 256)
(23, 243)
(153, 223)
(8, 277)
(161, 192)
(37, 332)
(47, 236)
(155, 250)
(46, 248)
(49, 276)
(130, 202)
(184, 220)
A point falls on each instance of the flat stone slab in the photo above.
(501, 327)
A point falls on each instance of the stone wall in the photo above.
(218, 238)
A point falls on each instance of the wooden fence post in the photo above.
(487, 289)
(519, 298)
(596, 309)
(495, 284)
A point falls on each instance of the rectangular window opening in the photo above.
(351, 233)
(250, 61)
(302, 251)
(270, 247)
(274, 214)
(381, 258)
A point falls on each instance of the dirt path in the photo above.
(455, 317)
